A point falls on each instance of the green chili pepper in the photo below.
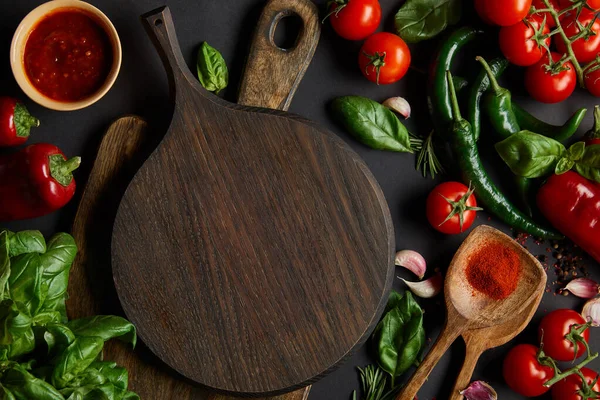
(438, 97)
(467, 155)
(480, 86)
(561, 133)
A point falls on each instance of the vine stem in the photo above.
(571, 371)
(567, 42)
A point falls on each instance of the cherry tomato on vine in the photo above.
(523, 373)
(547, 86)
(553, 329)
(384, 58)
(567, 388)
(584, 50)
(446, 204)
(518, 44)
(539, 5)
(592, 82)
(502, 12)
(593, 4)
(355, 19)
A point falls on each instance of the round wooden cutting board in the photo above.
(253, 250)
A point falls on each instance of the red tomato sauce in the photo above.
(68, 55)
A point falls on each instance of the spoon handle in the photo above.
(452, 329)
(473, 352)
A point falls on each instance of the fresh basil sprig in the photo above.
(372, 124)
(399, 337)
(532, 155)
(212, 69)
(419, 20)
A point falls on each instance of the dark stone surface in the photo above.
(227, 25)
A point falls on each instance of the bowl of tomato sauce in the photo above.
(66, 55)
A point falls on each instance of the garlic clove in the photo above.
(583, 287)
(479, 390)
(428, 288)
(591, 311)
(398, 104)
(412, 261)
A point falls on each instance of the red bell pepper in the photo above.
(593, 135)
(35, 181)
(15, 122)
(572, 205)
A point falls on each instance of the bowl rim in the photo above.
(17, 50)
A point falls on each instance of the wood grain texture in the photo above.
(282, 68)
(467, 309)
(479, 340)
(250, 241)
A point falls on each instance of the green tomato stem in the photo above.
(571, 371)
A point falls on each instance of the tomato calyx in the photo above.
(339, 6)
(459, 207)
(575, 336)
(376, 60)
(587, 391)
(556, 67)
(539, 37)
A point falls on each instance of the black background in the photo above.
(228, 25)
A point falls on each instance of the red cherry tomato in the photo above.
(502, 12)
(523, 373)
(439, 207)
(592, 82)
(593, 4)
(553, 329)
(356, 19)
(384, 58)
(584, 50)
(547, 87)
(567, 388)
(539, 4)
(517, 44)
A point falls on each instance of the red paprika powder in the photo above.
(494, 270)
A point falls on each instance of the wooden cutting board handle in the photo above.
(272, 74)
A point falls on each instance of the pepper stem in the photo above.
(453, 99)
(24, 121)
(596, 133)
(377, 61)
(61, 169)
(493, 82)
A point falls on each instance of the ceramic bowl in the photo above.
(19, 41)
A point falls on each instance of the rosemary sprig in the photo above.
(427, 161)
(374, 384)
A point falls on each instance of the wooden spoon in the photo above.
(468, 309)
(479, 340)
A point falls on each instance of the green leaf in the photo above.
(589, 165)
(25, 282)
(57, 337)
(419, 20)
(371, 123)
(4, 262)
(212, 69)
(576, 151)
(105, 327)
(6, 394)
(56, 264)
(564, 165)
(25, 386)
(531, 155)
(75, 359)
(400, 336)
(26, 242)
(116, 375)
(16, 334)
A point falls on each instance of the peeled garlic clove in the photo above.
(398, 104)
(479, 390)
(583, 287)
(591, 311)
(427, 288)
(412, 261)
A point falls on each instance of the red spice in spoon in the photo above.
(494, 270)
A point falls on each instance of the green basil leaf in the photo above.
(25, 282)
(564, 165)
(25, 386)
(105, 327)
(56, 264)
(47, 317)
(4, 262)
(130, 396)
(371, 123)
(212, 69)
(400, 336)
(114, 374)
(6, 394)
(57, 337)
(75, 359)
(26, 242)
(419, 20)
(576, 151)
(16, 333)
(589, 165)
(87, 393)
(530, 155)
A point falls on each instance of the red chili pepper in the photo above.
(15, 122)
(35, 181)
(593, 135)
(572, 204)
